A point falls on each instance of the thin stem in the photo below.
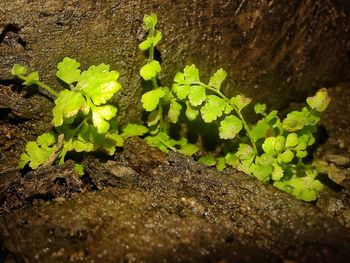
(65, 149)
(41, 85)
(245, 125)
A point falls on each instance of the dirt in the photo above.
(142, 205)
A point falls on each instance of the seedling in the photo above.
(273, 149)
(83, 119)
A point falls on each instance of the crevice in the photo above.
(10, 36)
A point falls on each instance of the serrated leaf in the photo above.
(191, 74)
(99, 83)
(260, 108)
(150, 70)
(114, 139)
(217, 79)
(67, 105)
(279, 143)
(297, 120)
(101, 116)
(133, 129)
(260, 130)
(320, 101)
(38, 152)
(301, 154)
(191, 113)
(80, 146)
(174, 111)
(230, 127)
(196, 95)
(208, 160)
(189, 149)
(18, 70)
(31, 78)
(213, 108)
(181, 91)
(68, 70)
(240, 101)
(245, 152)
(151, 98)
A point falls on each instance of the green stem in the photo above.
(41, 85)
(245, 124)
(65, 149)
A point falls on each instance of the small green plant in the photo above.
(82, 118)
(155, 100)
(273, 149)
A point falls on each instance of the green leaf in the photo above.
(79, 169)
(181, 91)
(208, 160)
(260, 130)
(67, 105)
(18, 70)
(277, 173)
(232, 159)
(31, 78)
(220, 164)
(153, 118)
(260, 108)
(144, 45)
(297, 120)
(101, 116)
(292, 140)
(81, 146)
(157, 38)
(99, 83)
(279, 143)
(245, 152)
(133, 129)
(320, 101)
(149, 21)
(150, 70)
(262, 172)
(151, 98)
(191, 113)
(196, 95)
(287, 156)
(174, 111)
(191, 74)
(240, 101)
(269, 145)
(38, 152)
(301, 154)
(158, 141)
(217, 79)
(230, 127)
(213, 108)
(68, 70)
(189, 149)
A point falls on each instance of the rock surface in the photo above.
(274, 51)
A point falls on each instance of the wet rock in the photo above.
(274, 51)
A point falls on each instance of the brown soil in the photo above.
(143, 205)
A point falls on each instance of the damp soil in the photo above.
(142, 205)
